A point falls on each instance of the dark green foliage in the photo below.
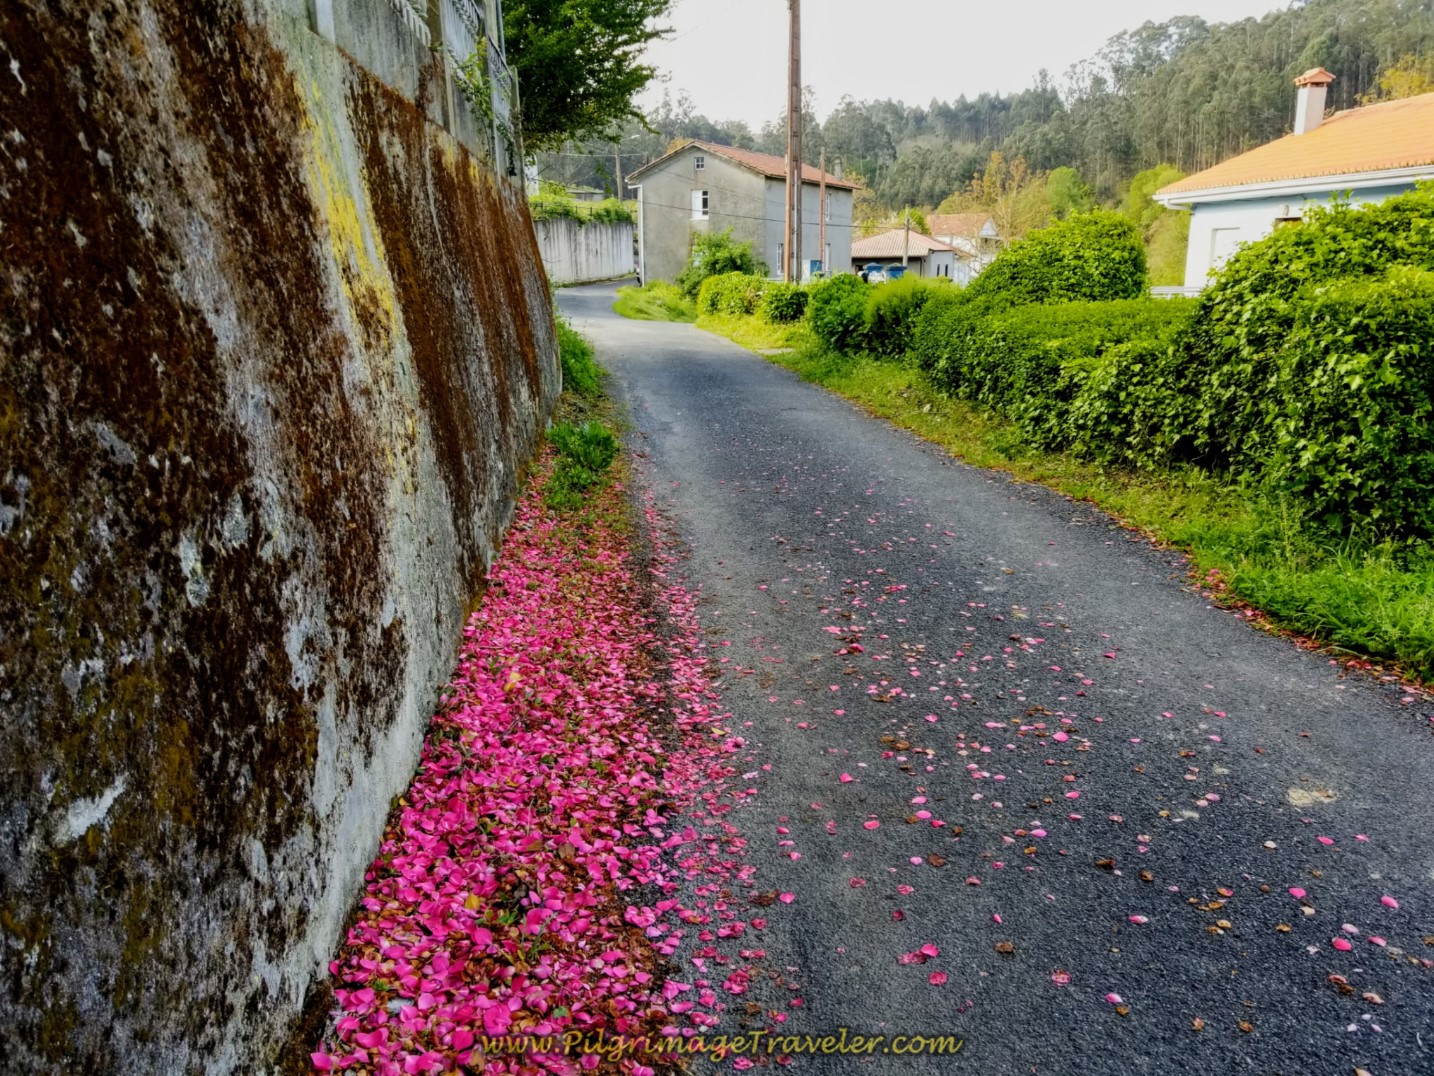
(836, 308)
(782, 302)
(578, 63)
(585, 452)
(730, 293)
(714, 254)
(1353, 431)
(891, 312)
(1095, 256)
(940, 329)
(581, 373)
(1030, 363)
(1248, 313)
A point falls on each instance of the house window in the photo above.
(701, 206)
(1285, 222)
(782, 259)
(699, 163)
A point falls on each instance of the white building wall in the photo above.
(1218, 229)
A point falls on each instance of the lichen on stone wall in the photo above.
(263, 402)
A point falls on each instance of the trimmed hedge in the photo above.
(730, 293)
(1093, 256)
(891, 312)
(783, 302)
(836, 308)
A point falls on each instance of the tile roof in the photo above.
(764, 163)
(889, 245)
(1393, 134)
(968, 225)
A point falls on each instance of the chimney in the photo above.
(1309, 105)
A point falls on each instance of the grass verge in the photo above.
(656, 300)
(1376, 602)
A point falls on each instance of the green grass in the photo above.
(756, 333)
(1375, 601)
(582, 376)
(656, 300)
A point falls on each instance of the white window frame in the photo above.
(699, 163)
(701, 205)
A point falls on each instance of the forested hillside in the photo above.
(1183, 93)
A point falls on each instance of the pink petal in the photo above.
(1326, 841)
(787, 898)
(1342, 944)
(930, 950)
(1297, 892)
(937, 978)
(1115, 999)
(847, 778)
(871, 824)
(1139, 919)
(1389, 902)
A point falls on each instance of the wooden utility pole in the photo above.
(792, 269)
(822, 211)
(906, 239)
(617, 172)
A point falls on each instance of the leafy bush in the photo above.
(1093, 256)
(783, 302)
(581, 373)
(730, 293)
(1248, 313)
(836, 308)
(1354, 434)
(939, 332)
(891, 312)
(611, 211)
(585, 452)
(716, 253)
(1030, 363)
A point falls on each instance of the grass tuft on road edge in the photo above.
(1367, 600)
(656, 300)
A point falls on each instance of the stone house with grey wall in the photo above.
(705, 187)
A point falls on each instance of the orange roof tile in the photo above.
(890, 244)
(1393, 134)
(764, 163)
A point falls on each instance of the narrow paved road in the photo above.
(1086, 780)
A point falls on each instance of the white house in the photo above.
(703, 187)
(1361, 154)
(974, 236)
(922, 255)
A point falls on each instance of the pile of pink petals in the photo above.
(526, 885)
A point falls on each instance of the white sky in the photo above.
(731, 55)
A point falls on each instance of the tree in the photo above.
(1408, 76)
(1067, 193)
(579, 65)
(1011, 194)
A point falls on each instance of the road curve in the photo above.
(1140, 835)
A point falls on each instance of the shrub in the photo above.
(1030, 363)
(716, 253)
(1248, 313)
(783, 302)
(611, 211)
(939, 332)
(1354, 435)
(581, 373)
(836, 308)
(730, 293)
(1093, 256)
(891, 312)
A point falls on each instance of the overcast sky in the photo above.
(731, 55)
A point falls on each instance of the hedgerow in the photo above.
(783, 302)
(730, 293)
(1091, 256)
(891, 312)
(836, 309)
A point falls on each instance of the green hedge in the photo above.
(730, 293)
(783, 302)
(836, 309)
(891, 312)
(1353, 429)
(1091, 256)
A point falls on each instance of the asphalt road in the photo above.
(1099, 741)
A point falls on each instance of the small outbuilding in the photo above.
(921, 254)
